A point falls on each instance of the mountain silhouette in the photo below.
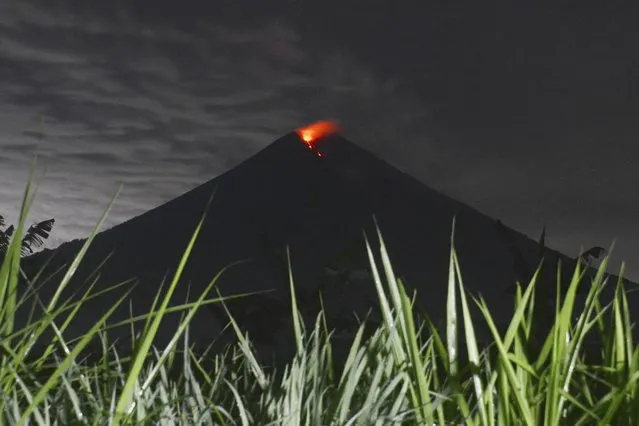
(288, 195)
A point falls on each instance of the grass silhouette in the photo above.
(400, 370)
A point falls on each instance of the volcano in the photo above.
(317, 205)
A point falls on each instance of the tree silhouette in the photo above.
(32, 239)
(590, 255)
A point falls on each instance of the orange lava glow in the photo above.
(313, 132)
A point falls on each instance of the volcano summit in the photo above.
(318, 205)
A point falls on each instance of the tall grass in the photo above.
(407, 371)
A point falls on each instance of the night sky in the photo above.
(527, 112)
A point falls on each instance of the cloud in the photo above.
(106, 99)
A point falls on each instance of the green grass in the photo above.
(401, 371)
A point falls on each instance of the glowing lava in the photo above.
(318, 130)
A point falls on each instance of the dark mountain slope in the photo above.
(285, 194)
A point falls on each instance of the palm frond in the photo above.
(5, 236)
(4, 242)
(36, 234)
